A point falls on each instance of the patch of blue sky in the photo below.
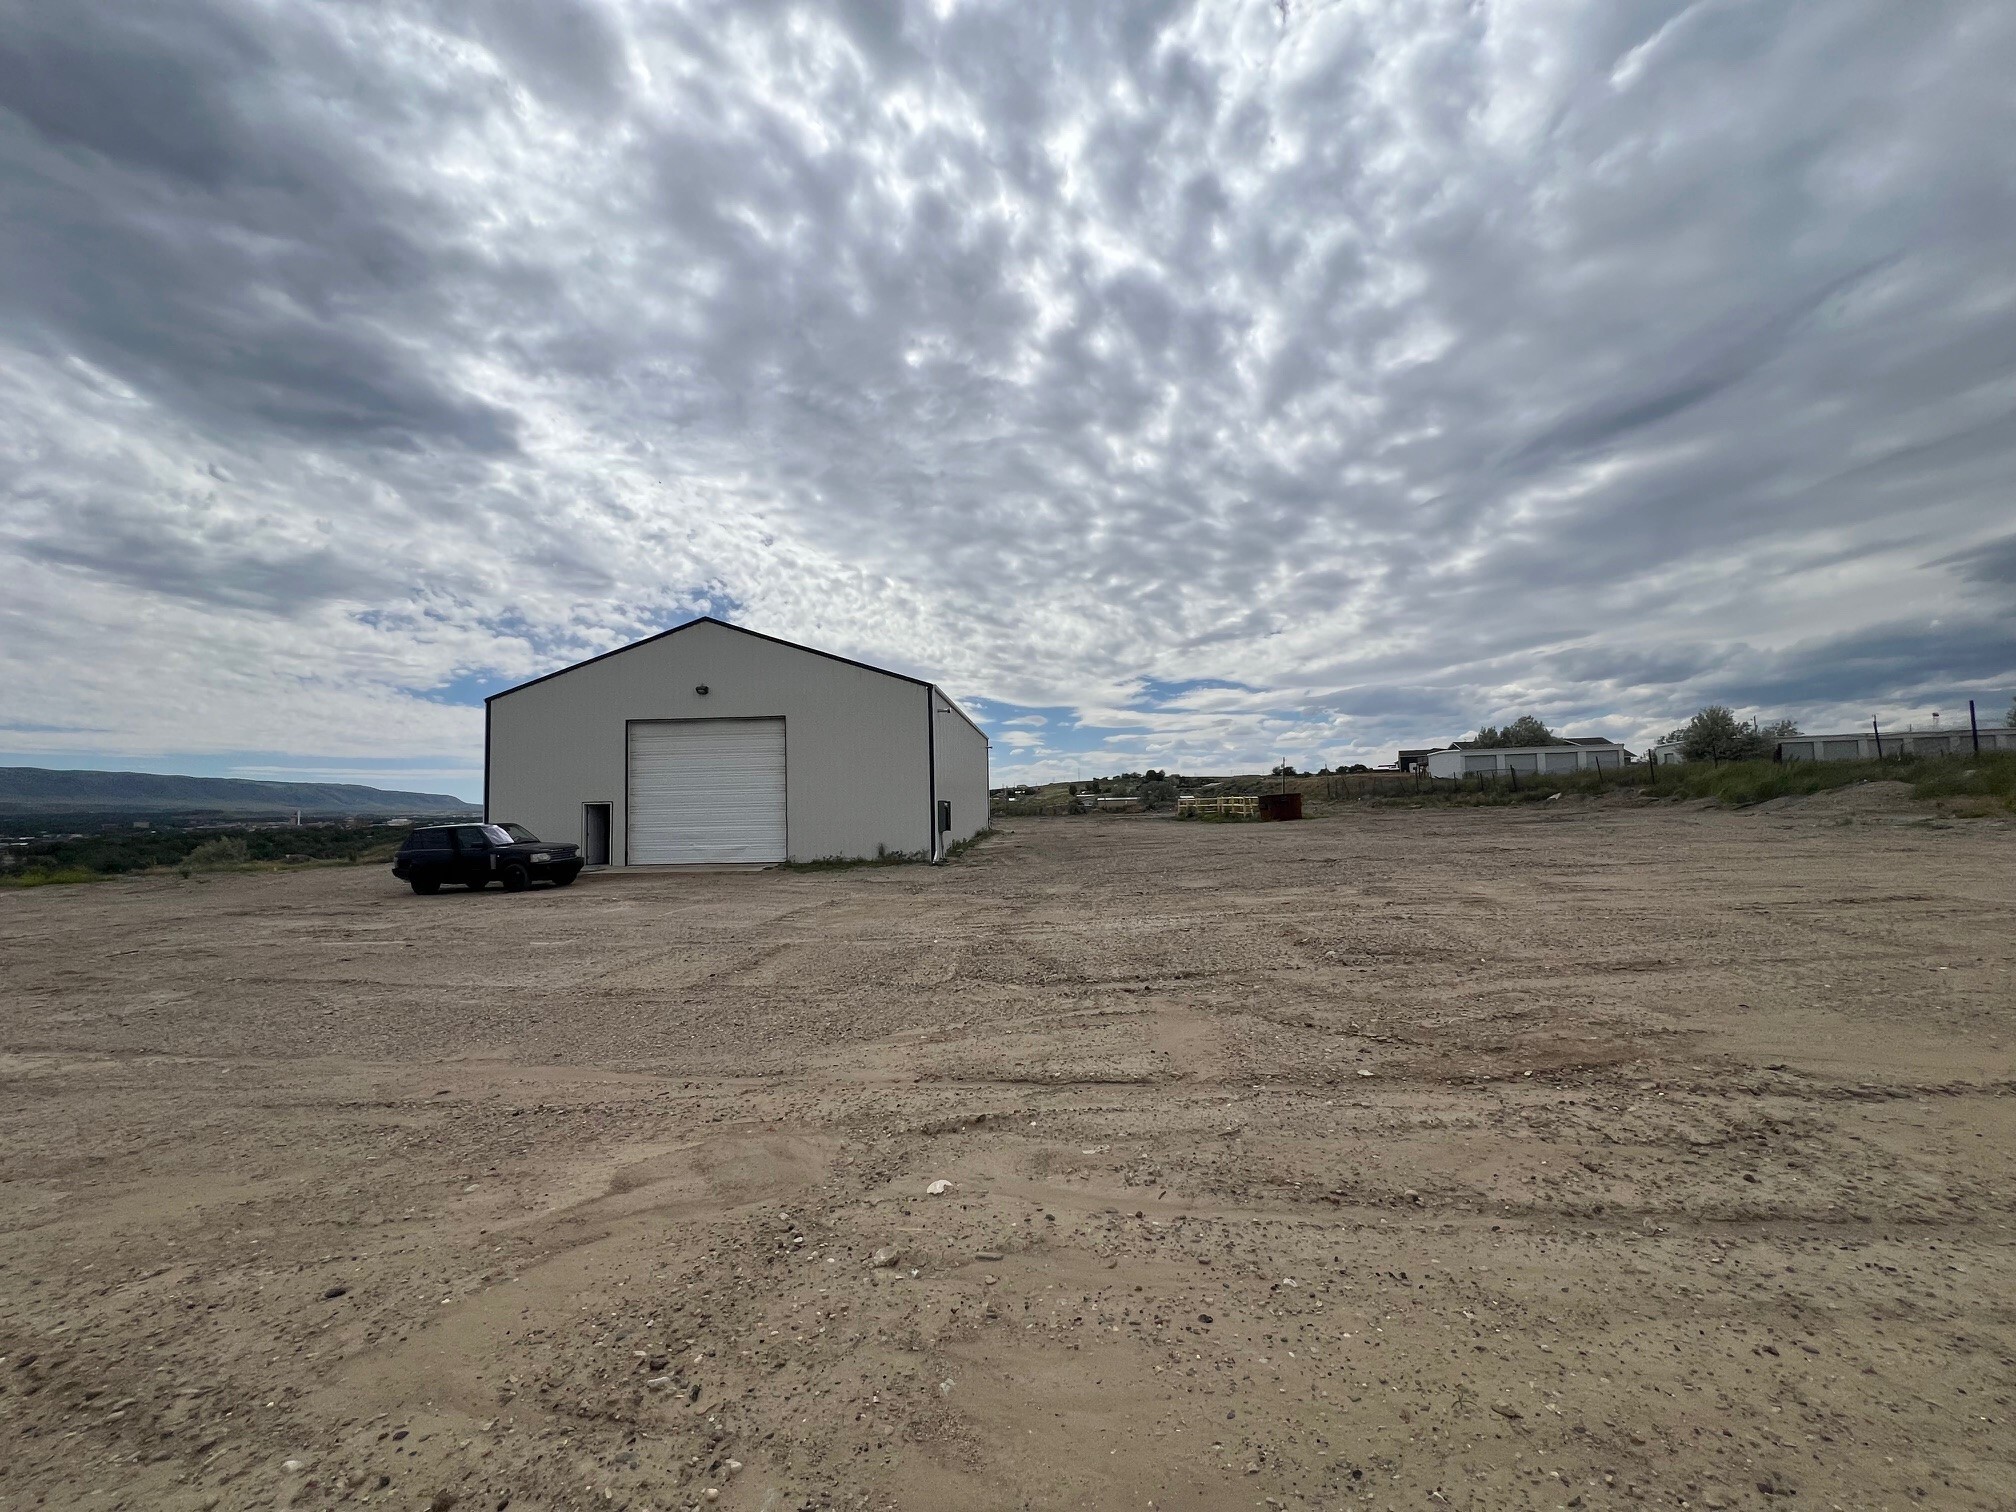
(1153, 693)
(469, 689)
(994, 714)
(707, 601)
(470, 686)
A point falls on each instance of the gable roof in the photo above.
(1560, 744)
(708, 619)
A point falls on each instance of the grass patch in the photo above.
(850, 863)
(60, 877)
(125, 849)
(960, 847)
(887, 857)
(1990, 775)
(1981, 784)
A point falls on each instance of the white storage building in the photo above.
(1497, 761)
(710, 744)
(1863, 745)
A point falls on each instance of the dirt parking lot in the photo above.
(1565, 1157)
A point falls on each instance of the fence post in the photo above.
(1877, 730)
(1973, 727)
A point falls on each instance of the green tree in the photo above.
(1716, 734)
(1526, 730)
(2009, 719)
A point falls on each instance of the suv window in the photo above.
(429, 840)
(470, 837)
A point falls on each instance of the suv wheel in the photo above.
(515, 878)
(426, 886)
(564, 879)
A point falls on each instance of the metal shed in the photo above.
(1494, 761)
(711, 744)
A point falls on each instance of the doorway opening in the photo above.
(595, 834)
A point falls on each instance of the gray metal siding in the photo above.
(961, 754)
(856, 774)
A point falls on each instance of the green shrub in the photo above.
(224, 850)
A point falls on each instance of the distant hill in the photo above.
(30, 790)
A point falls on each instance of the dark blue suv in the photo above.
(475, 855)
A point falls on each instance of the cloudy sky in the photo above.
(1177, 384)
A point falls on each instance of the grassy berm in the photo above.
(89, 858)
(1968, 784)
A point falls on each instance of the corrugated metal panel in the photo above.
(960, 754)
(1563, 761)
(706, 790)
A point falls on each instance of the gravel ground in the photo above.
(1579, 1156)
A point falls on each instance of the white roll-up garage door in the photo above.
(706, 790)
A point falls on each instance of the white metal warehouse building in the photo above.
(1496, 761)
(714, 744)
(1864, 745)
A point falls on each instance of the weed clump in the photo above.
(58, 876)
(886, 857)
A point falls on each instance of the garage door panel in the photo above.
(705, 790)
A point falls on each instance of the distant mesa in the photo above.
(30, 790)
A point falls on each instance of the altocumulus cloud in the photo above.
(1219, 380)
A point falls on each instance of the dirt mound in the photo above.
(1858, 798)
